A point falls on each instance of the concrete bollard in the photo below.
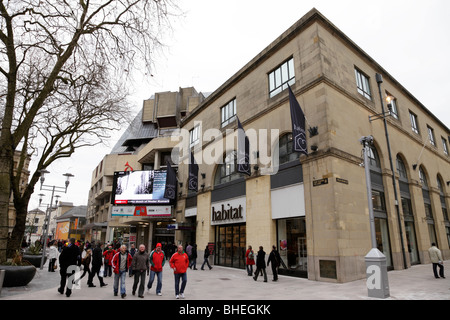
(376, 273)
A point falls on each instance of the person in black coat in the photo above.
(205, 257)
(97, 262)
(69, 257)
(274, 258)
(260, 264)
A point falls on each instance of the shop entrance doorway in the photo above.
(230, 246)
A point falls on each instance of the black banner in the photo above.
(193, 174)
(170, 191)
(298, 125)
(243, 159)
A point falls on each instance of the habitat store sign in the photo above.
(228, 211)
(141, 211)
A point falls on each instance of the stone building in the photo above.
(314, 208)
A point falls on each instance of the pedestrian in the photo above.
(132, 252)
(436, 260)
(86, 262)
(179, 263)
(69, 257)
(121, 262)
(189, 251)
(274, 259)
(260, 264)
(53, 254)
(97, 263)
(193, 257)
(157, 261)
(108, 256)
(250, 260)
(206, 258)
(140, 267)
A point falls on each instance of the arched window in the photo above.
(407, 210)
(227, 171)
(423, 178)
(401, 169)
(427, 203)
(442, 198)
(444, 207)
(374, 159)
(379, 205)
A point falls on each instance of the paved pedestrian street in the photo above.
(222, 283)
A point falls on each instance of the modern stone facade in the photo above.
(314, 208)
(327, 67)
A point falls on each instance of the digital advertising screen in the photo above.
(139, 187)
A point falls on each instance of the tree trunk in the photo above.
(6, 159)
(15, 240)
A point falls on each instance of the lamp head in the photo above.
(43, 173)
(68, 176)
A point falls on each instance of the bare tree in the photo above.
(65, 65)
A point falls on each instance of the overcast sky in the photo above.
(409, 39)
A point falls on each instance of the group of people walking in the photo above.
(138, 263)
(274, 260)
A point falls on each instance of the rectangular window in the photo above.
(362, 84)
(428, 211)
(392, 105)
(378, 200)
(431, 136)
(228, 113)
(444, 145)
(414, 125)
(281, 77)
(194, 136)
(407, 207)
(445, 213)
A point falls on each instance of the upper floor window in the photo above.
(362, 84)
(392, 104)
(281, 77)
(228, 113)
(431, 136)
(194, 136)
(227, 171)
(444, 145)
(414, 123)
(285, 149)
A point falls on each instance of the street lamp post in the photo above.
(53, 189)
(379, 79)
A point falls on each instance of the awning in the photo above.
(95, 225)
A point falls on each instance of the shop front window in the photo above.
(412, 242)
(382, 237)
(292, 246)
(230, 251)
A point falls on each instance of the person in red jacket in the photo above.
(120, 264)
(157, 261)
(108, 256)
(179, 263)
(250, 260)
